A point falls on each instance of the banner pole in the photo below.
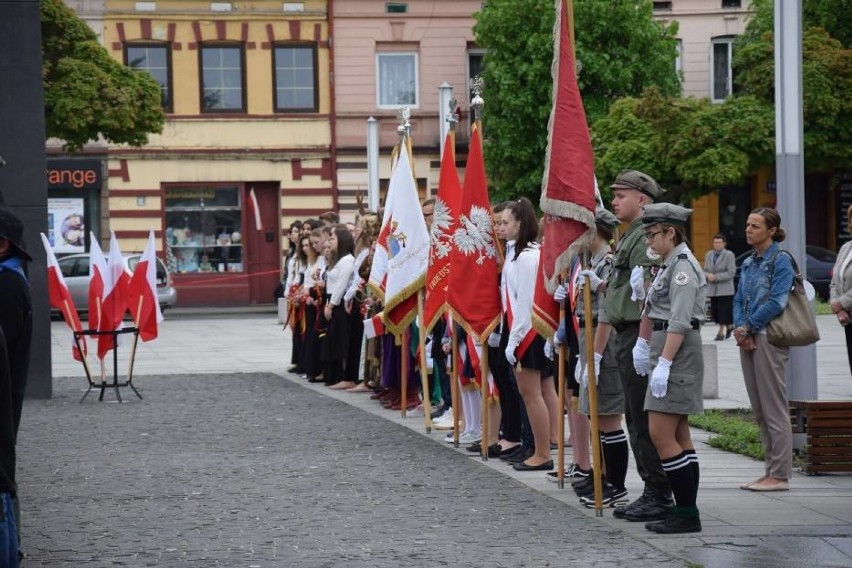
(454, 380)
(483, 364)
(560, 427)
(593, 390)
(403, 393)
(424, 380)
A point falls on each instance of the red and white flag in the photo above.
(568, 187)
(444, 224)
(545, 312)
(374, 326)
(406, 246)
(255, 210)
(60, 298)
(474, 288)
(142, 293)
(98, 276)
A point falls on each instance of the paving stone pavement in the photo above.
(251, 470)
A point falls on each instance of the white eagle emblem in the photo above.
(439, 232)
(681, 278)
(474, 235)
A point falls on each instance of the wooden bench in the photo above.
(828, 425)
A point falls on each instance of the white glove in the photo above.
(548, 350)
(578, 371)
(561, 292)
(593, 278)
(559, 337)
(494, 339)
(660, 378)
(637, 283)
(510, 356)
(641, 354)
(585, 381)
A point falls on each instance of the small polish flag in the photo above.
(60, 297)
(142, 293)
(255, 210)
(374, 326)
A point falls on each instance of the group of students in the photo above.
(648, 296)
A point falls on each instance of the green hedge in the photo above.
(735, 432)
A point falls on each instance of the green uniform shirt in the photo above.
(678, 292)
(630, 252)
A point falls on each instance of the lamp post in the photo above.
(373, 164)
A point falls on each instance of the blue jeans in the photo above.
(8, 533)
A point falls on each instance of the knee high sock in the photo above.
(615, 453)
(679, 472)
(693, 462)
(472, 408)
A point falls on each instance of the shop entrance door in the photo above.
(263, 247)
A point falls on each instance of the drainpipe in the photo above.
(332, 117)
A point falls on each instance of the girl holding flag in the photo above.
(524, 346)
(312, 291)
(335, 348)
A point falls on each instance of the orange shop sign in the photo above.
(74, 174)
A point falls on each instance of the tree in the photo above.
(826, 77)
(620, 48)
(87, 93)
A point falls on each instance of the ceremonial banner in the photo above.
(142, 293)
(545, 312)
(568, 185)
(60, 298)
(474, 288)
(444, 224)
(406, 247)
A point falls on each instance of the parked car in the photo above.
(75, 269)
(820, 263)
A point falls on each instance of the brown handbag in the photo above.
(796, 325)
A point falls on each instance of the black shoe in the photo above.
(729, 332)
(611, 495)
(674, 524)
(719, 337)
(493, 449)
(657, 506)
(508, 451)
(437, 411)
(587, 487)
(316, 380)
(510, 454)
(639, 503)
(522, 466)
(521, 456)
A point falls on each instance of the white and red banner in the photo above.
(568, 187)
(254, 209)
(142, 293)
(60, 298)
(444, 223)
(374, 326)
(474, 287)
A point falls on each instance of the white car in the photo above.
(75, 269)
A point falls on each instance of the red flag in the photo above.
(142, 293)
(255, 210)
(545, 313)
(444, 225)
(568, 187)
(114, 302)
(97, 276)
(474, 288)
(60, 297)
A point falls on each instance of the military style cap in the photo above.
(605, 219)
(634, 179)
(665, 213)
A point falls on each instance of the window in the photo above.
(156, 60)
(396, 8)
(662, 6)
(295, 78)
(721, 75)
(679, 59)
(203, 229)
(396, 78)
(475, 67)
(732, 3)
(222, 79)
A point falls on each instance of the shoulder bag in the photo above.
(796, 325)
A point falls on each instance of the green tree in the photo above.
(87, 93)
(621, 50)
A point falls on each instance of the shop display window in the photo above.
(204, 229)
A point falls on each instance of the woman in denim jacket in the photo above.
(765, 282)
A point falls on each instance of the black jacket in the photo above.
(7, 426)
(16, 319)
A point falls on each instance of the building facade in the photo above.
(246, 143)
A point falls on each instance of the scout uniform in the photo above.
(675, 304)
(624, 314)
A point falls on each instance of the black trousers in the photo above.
(848, 330)
(296, 328)
(335, 346)
(311, 344)
(510, 403)
(635, 386)
(356, 336)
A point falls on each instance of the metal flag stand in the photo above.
(115, 383)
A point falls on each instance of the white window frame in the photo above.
(729, 41)
(679, 59)
(473, 51)
(416, 56)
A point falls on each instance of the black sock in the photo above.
(693, 462)
(615, 452)
(680, 473)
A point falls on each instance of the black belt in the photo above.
(582, 322)
(662, 325)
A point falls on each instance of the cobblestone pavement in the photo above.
(250, 470)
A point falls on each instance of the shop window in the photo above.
(222, 79)
(203, 229)
(721, 73)
(396, 78)
(295, 78)
(475, 68)
(156, 60)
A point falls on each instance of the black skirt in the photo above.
(722, 309)
(535, 359)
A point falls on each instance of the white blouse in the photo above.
(337, 279)
(519, 288)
